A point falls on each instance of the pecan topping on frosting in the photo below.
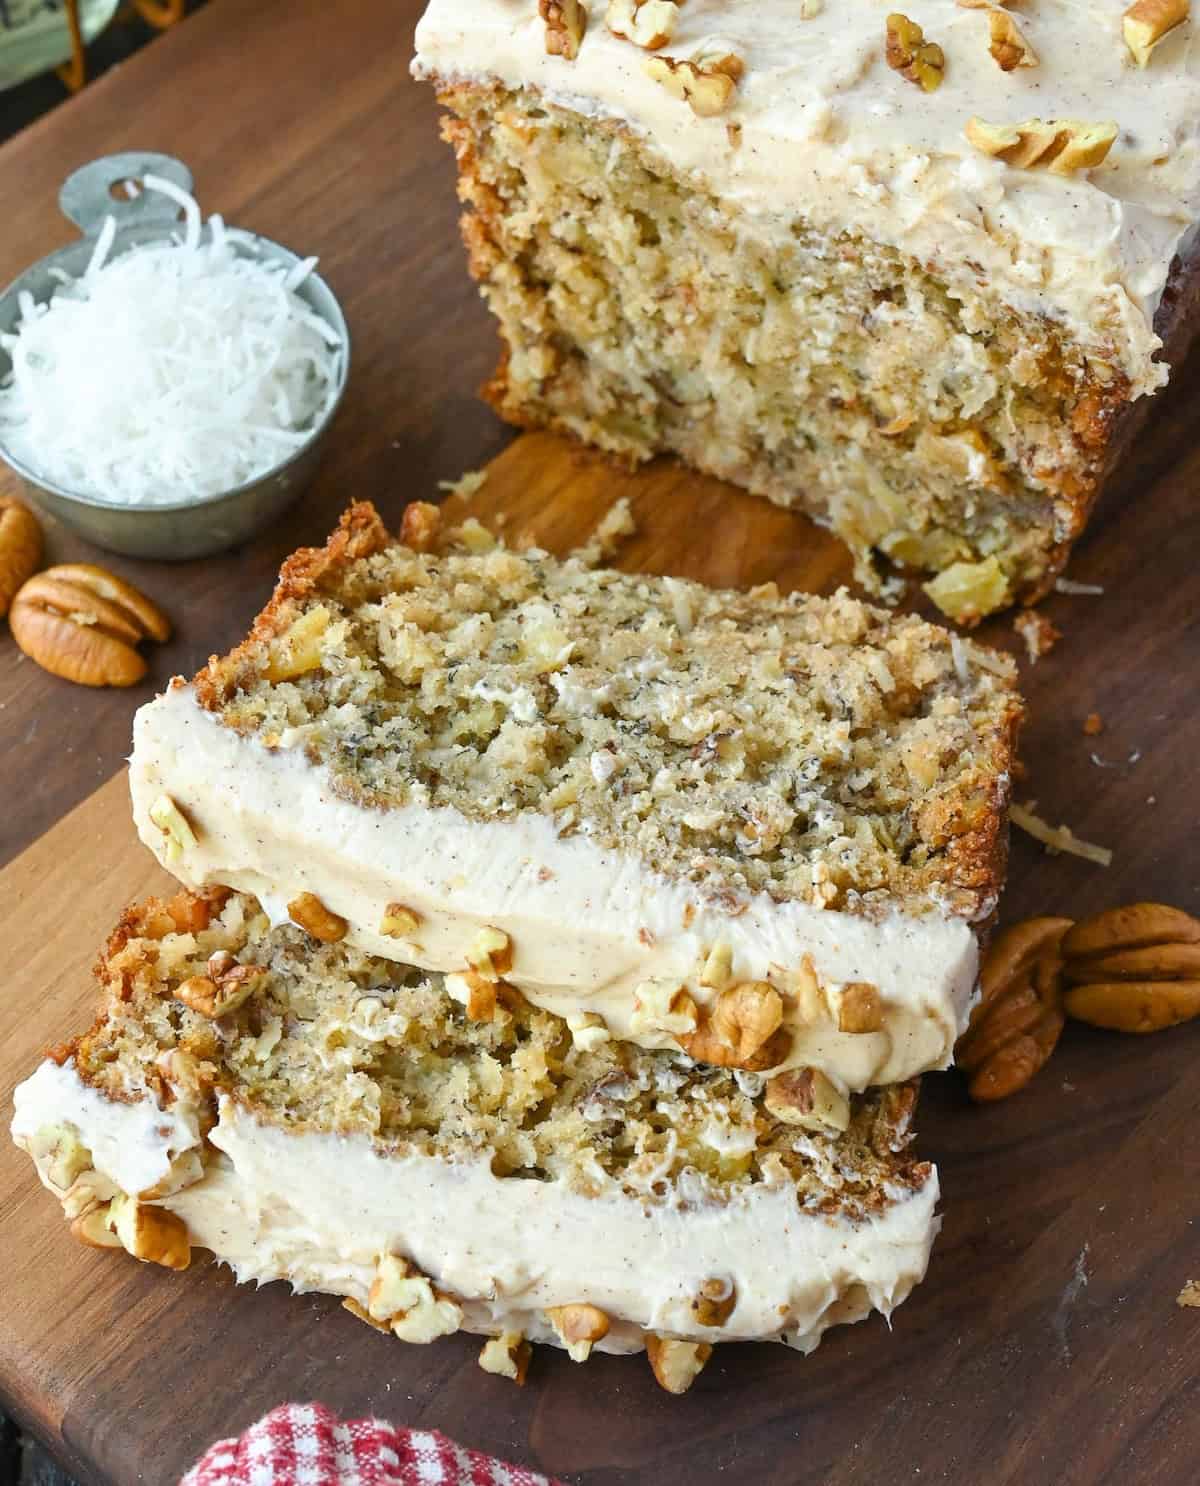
(1057, 145)
(1147, 22)
(566, 23)
(1007, 42)
(707, 82)
(908, 53)
(647, 23)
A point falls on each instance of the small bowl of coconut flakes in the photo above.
(165, 383)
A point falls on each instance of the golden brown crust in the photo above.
(359, 533)
(961, 823)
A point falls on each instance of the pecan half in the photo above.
(84, 624)
(1019, 1018)
(1134, 969)
(20, 548)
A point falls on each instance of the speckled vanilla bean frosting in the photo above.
(317, 1209)
(590, 926)
(828, 132)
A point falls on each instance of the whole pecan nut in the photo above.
(1133, 969)
(20, 548)
(84, 624)
(1019, 1018)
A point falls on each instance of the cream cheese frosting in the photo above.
(319, 1209)
(827, 131)
(588, 925)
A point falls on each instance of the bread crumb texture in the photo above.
(929, 423)
(811, 748)
(332, 1039)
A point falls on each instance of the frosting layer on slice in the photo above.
(826, 131)
(596, 936)
(319, 1210)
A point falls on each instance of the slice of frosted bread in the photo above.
(310, 1112)
(766, 829)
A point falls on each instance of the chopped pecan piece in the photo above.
(707, 83)
(714, 1303)
(314, 918)
(676, 1365)
(566, 25)
(908, 53)
(805, 1097)
(647, 23)
(579, 1326)
(508, 1356)
(1007, 42)
(1057, 145)
(1147, 22)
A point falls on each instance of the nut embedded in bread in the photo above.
(348, 1126)
(760, 828)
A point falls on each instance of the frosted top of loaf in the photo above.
(819, 125)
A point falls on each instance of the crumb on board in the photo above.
(1093, 724)
(1057, 838)
(1039, 635)
(613, 528)
(1068, 585)
(466, 485)
(1190, 1294)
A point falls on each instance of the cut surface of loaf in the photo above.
(310, 1112)
(765, 828)
(920, 314)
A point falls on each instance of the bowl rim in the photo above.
(58, 492)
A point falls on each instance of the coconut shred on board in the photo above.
(173, 371)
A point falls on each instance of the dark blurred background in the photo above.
(125, 34)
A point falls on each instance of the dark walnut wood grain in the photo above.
(1045, 1346)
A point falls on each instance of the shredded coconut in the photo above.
(465, 486)
(1068, 585)
(1057, 838)
(176, 370)
(614, 526)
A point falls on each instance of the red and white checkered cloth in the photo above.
(305, 1444)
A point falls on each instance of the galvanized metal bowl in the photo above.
(186, 528)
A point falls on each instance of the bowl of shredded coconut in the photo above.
(165, 382)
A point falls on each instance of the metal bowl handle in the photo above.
(86, 196)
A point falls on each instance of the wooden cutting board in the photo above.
(1045, 1346)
